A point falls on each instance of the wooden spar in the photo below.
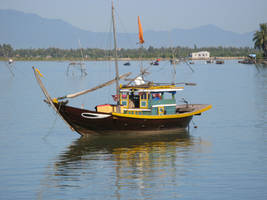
(181, 83)
(94, 88)
(132, 80)
(116, 59)
(49, 99)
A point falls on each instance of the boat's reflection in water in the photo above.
(127, 147)
(128, 161)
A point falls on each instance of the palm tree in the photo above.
(260, 39)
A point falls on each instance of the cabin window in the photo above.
(124, 99)
(124, 96)
(136, 100)
(156, 96)
(143, 95)
(143, 104)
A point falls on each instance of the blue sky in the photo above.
(234, 15)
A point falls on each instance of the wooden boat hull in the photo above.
(90, 122)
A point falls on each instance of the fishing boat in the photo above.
(127, 64)
(10, 61)
(156, 62)
(220, 62)
(141, 107)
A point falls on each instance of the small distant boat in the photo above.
(127, 64)
(10, 61)
(247, 61)
(156, 62)
(209, 61)
(219, 62)
(251, 59)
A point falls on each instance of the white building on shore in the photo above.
(200, 55)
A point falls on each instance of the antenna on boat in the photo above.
(116, 59)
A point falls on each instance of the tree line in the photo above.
(6, 51)
(260, 39)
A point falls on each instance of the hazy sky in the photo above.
(234, 15)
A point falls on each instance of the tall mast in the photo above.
(116, 59)
(141, 42)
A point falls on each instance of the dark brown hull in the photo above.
(90, 122)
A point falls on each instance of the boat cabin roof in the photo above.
(162, 88)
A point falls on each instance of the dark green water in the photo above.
(224, 158)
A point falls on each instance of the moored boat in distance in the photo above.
(219, 62)
(10, 61)
(156, 62)
(210, 61)
(140, 106)
(127, 64)
(250, 59)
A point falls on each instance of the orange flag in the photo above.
(141, 38)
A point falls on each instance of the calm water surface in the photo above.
(224, 158)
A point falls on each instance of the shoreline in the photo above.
(111, 59)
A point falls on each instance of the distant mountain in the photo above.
(23, 30)
(203, 36)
